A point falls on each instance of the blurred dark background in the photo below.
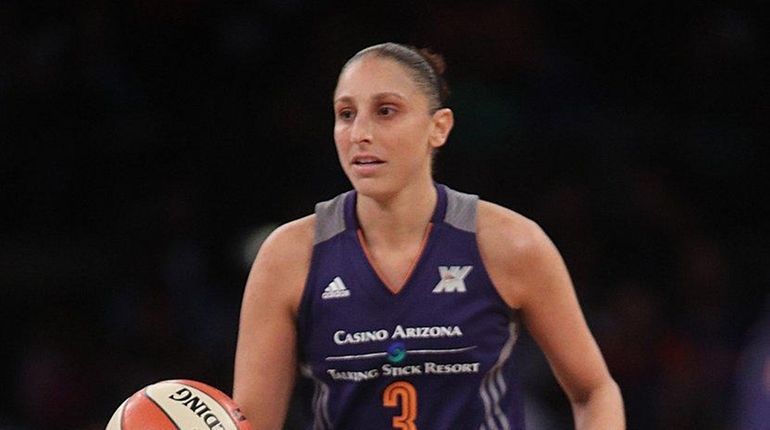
(148, 145)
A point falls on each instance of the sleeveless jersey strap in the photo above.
(334, 216)
(330, 218)
(461, 210)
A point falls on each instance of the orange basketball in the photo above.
(178, 405)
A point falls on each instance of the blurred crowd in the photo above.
(149, 145)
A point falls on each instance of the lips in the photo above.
(367, 165)
(367, 160)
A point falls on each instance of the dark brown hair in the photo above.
(426, 67)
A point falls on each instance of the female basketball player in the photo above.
(402, 299)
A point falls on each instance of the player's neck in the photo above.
(400, 219)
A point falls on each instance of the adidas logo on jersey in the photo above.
(335, 290)
(452, 279)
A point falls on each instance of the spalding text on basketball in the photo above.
(186, 397)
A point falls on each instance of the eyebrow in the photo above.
(378, 96)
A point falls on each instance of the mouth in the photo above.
(367, 160)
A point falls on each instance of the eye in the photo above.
(345, 114)
(386, 111)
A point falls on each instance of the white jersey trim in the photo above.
(493, 387)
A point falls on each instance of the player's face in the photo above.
(384, 129)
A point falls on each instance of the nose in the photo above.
(361, 130)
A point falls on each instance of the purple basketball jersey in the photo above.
(434, 356)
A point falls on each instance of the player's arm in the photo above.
(530, 274)
(266, 355)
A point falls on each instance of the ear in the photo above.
(443, 121)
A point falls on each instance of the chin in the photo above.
(376, 188)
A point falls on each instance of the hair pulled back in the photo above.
(425, 66)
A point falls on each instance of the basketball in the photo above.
(178, 405)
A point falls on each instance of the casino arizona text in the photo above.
(341, 337)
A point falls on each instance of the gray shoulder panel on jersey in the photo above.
(330, 218)
(461, 210)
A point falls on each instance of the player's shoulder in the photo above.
(297, 238)
(508, 229)
(293, 238)
(514, 249)
(284, 260)
(287, 249)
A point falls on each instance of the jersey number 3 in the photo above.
(404, 393)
